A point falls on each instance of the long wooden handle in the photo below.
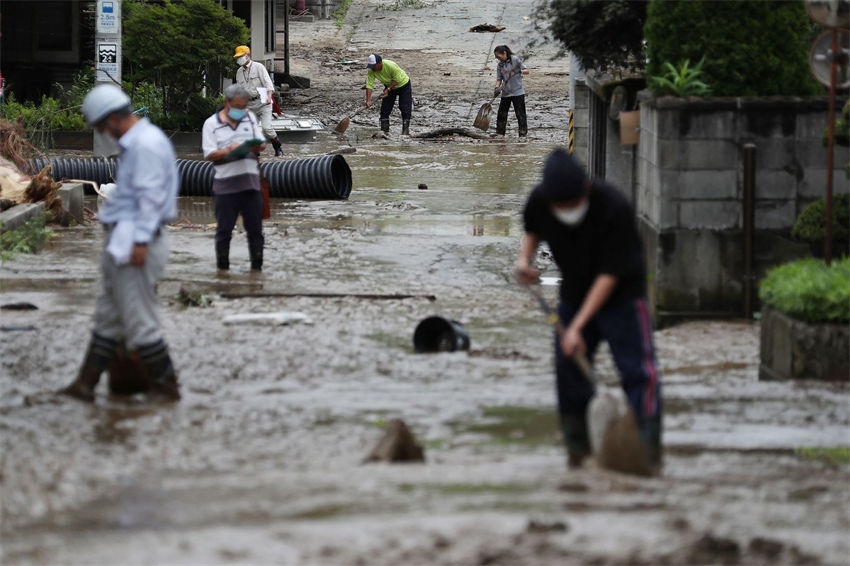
(579, 358)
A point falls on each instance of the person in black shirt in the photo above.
(591, 232)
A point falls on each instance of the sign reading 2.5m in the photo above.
(108, 17)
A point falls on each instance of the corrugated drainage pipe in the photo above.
(325, 177)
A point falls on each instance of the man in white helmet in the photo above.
(256, 80)
(135, 247)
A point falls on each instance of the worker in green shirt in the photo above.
(396, 85)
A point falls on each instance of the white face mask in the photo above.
(572, 216)
(242, 60)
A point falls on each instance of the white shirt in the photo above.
(238, 175)
(255, 75)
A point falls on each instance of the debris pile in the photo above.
(17, 187)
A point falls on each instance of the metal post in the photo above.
(749, 224)
(833, 68)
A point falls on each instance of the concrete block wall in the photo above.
(691, 166)
(689, 194)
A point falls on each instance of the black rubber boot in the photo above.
(405, 127)
(99, 356)
(256, 254)
(574, 430)
(521, 117)
(158, 364)
(278, 150)
(222, 257)
(501, 122)
(385, 125)
(257, 262)
(650, 433)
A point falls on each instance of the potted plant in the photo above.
(804, 324)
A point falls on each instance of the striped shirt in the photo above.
(241, 174)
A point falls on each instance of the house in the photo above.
(47, 42)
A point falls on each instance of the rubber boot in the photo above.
(278, 150)
(100, 354)
(158, 364)
(222, 257)
(385, 125)
(521, 117)
(257, 261)
(576, 438)
(501, 122)
(650, 433)
(405, 127)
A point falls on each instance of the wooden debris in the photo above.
(483, 28)
(397, 445)
(441, 132)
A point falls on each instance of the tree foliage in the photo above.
(602, 34)
(751, 47)
(179, 46)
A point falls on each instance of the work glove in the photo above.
(496, 91)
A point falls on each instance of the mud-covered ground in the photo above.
(262, 460)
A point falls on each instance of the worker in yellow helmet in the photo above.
(256, 80)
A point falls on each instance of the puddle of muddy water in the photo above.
(473, 189)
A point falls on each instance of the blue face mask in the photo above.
(236, 113)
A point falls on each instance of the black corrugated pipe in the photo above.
(325, 177)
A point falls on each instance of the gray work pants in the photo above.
(264, 115)
(127, 308)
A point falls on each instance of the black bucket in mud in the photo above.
(438, 334)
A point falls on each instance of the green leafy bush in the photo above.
(810, 226)
(809, 290)
(751, 47)
(682, 81)
(194, 42)
(28, 239)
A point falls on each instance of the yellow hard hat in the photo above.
(242, 50)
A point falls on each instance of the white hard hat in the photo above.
(101, 101)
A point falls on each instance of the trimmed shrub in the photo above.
(809, 290)
(751, 47)
(811, 224)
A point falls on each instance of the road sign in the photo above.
(830, 13)
(821, 55)
(108, 17)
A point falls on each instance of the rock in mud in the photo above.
(397, 445)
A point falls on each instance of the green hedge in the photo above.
(811, 224)
(751, 47)
(809, 290)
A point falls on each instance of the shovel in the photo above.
(482, 120)
(612, 425)
(344, 123)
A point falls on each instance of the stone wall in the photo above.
(793, 349)
(690, 193)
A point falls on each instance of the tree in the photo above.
(179, 45)
(602, 34)
(751, 47)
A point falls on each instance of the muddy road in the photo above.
(262, 460)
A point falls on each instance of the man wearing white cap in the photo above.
(136, 246)
(396, 85)
(256, 80)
